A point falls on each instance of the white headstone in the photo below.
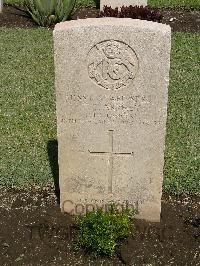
(1, 6)
(112, 86)
(120, 3)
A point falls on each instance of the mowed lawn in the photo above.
(187, 4)
(28, 120)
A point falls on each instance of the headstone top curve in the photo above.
(126, 22)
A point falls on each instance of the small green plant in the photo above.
(99, 231)
(48, 12)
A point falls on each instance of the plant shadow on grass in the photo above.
(52, 148)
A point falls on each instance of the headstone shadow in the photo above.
(97, 3)
(52, 148)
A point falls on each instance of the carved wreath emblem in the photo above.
(112, 64)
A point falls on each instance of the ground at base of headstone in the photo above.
(182, 21)
(33, 231)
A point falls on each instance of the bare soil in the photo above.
(182, 21)
(33, 231)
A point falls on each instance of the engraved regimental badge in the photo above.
(112, 64)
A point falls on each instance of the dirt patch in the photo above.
(33, 231)
(15, 17)
(175, 241)
(182, 21)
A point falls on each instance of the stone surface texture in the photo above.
(120, 3)
(1, 6)
(111, 79)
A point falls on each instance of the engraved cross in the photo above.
(111, 155)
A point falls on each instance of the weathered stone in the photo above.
(112, 86)
(120, 3)
(1, 6)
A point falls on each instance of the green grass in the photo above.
(28, 121)
(78, 2)
(27, 116)
(14, 2)
(187, 4)
(182, 167)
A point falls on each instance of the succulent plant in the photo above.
(48, 12)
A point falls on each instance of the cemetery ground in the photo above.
(33, 231)
(182, 20)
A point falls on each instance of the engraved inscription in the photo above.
(111, 154)
(131, 109)
(112, 64)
